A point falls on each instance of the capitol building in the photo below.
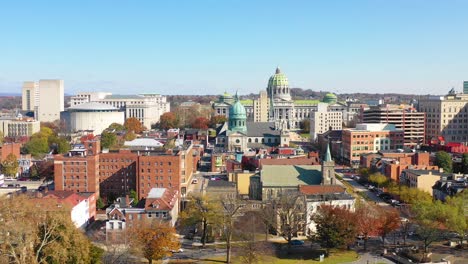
(275, 104)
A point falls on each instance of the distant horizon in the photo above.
(208, 47)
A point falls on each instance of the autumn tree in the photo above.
(444, 161)
(378, 179)
(336, 226)
(153, 240)
(10, 165)
(129, 136)
(200, 123)
(217, 119)
(168, 120)
(366, 221)
(204, 211)
(45, 234)
(133, 124)
(388, 221)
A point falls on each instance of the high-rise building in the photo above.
(404, 117)
(260, 108)
(45, 98)
(446, 117)
(323, 120)
(465, 87)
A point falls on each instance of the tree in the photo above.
(465, 163)
(290, 209)
(45, 234)
(108, 139)
(129, 136)
(388, 221)
(366, 221)
(37, 146)
(455, 210)
(133, 124)
(168, 120)
(60, 144)
(10, 165)
(153, 240)
(305, 125)
(378, 179)
(200, 123)
(116, 127)
(231, 206)
(336, 226)
(204, 211)
(100, 203)
(134, 196)
(429, 217)
(217, 119)
(444, 161)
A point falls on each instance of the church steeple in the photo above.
(328, 168)
(328, 154)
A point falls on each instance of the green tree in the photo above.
(37, 146)
(168, 120)
(100, 203)
(134, 196)
(444, 161)
(336, 226)
(429, 216)
(378, 179)
(116, 127)
(108, 139)
(10, 165)
(133, 124)
(305, 126)
(456, 214)
(465, 163)
(129, 136)
(203, 211)
(60, 144)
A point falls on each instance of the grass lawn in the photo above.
(310, 256)
(305, 135)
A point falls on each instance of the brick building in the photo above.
(8, 148)
(115, 174)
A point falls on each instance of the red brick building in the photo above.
(9, 148)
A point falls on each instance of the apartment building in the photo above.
(260, 108)
(424, 180)
(145, 107)
(324, 120)
(19, 127)
(115, 174)
(369, 138)
(404, 117)
(45, 98)
(446, 117)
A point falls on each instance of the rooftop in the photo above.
(262, 129)
(156, 193)
(93, 106)
(291, 175)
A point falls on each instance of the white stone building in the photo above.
(147, 108)
(45, 98)
(323, 120)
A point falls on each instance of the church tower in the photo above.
(328, 169)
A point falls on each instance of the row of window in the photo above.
(155, 164)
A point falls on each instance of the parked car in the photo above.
(296, 242)
(180, 250)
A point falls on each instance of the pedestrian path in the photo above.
(370, 258)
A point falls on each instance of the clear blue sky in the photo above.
(208, 47)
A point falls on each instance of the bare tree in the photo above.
(231, 207)
(290, 212)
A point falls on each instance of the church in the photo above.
(239, 135)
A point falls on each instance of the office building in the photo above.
(260, 106)
(446, 118)
(324, 120)
(19, 127)
(465, 87)
(369, 138)
(404, 117)
(45, 98)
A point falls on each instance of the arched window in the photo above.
(269, 140)
(256, 140)
(250, 140)
(263, 140)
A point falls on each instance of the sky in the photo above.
(208, 47)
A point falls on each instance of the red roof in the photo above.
(165, 202)
(320, 189)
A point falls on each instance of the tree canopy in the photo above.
(200, 123)
(133, 124)
(444, 161)
(217, 119)
(108, 139)
(10, 165)
(168, 120)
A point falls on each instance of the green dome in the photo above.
(226, 98)
(330, 98)
(237, 111)
(278, 79)
(237, 117)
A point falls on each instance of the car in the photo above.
(296, 242)
(194, 181)
(180, 250)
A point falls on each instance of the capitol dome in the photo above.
(330, 98)
(226, 98)
(278, 86)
